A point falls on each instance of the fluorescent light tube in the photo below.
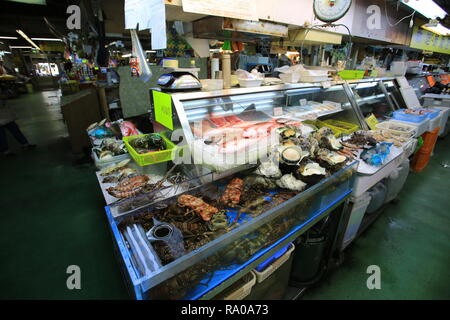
(439, 29)
(20, 47)
(428, 8)
(28, 39)
(10, 38)
(46, 39)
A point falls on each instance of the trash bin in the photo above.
(308, 256)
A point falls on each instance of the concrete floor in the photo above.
(52, 217)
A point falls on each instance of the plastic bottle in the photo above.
(226, 69)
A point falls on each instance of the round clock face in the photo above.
(331, 10)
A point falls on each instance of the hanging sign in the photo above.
(426, 40)
(162, 103)
(238, 9)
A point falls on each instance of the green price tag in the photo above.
(163, 108)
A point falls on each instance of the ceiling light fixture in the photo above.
(28, 39)
(437, 29)
(428, 8)
(8, 38)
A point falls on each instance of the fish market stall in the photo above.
(241, 174)
(254, 178)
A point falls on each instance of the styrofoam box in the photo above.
(313, 78)
(434, 123)
(443, 118)
(422, 127)
(100, 164)
(241, 292)
(389, 126)
(292, 77)
(271, 268)
(359, 208)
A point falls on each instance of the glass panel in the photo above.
(202, 259)
(419, 84)
(371, 100)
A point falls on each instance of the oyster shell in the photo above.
(288, 181)
(269, 169)
(310, 172)
(264, 182)
(326, 139)
(330, 159)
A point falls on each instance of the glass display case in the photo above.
(187, 240)
(372, 97)
(419, 84)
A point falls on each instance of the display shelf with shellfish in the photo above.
(227, 226)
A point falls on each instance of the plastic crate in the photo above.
(274, 264)
(431, 113)
(420, 160)
(151, 157)
(100, 164)
(429, 140)
(240, 289)
(393, 126)
(276, 256)
(434, 123)
(339, 127)
(351, 74)
(402, 116)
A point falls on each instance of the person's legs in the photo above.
(15, 131)
(3, 140)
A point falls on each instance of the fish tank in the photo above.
(187, 245)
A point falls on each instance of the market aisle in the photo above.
(52, 214)
(410, 242)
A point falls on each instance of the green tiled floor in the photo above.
(52, 217)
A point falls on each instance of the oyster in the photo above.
(288, 181)
(288, 133)
(330, 159)
(269, 169)
(326, 139)
(313, 145)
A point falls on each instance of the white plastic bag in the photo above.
(254, 75)
(144, 70)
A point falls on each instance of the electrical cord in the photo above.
(323, 26)
(387, 19)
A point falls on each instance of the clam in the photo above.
(288, 181)
(106, 155)
(288, 133)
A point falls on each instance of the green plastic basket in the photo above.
(338, 127)
(145, 159)
(351, 74)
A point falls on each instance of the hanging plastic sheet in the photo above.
(140, 64)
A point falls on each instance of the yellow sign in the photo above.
(372, 121)
(162, 103)
(426, 40)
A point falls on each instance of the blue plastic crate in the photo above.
(430, 115)
(276, 256)
(402, 116)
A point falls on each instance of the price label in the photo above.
(326, 84)
(277, 111)
(303, 102)
(162, 103)
(372, 122)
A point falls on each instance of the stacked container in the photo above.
(422, 157)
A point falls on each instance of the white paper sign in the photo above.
(303, 102)
(238, 9)
(149, 14)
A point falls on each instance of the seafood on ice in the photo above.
(233, 192)
(232, 134)
(199, 206)
(129, 187)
